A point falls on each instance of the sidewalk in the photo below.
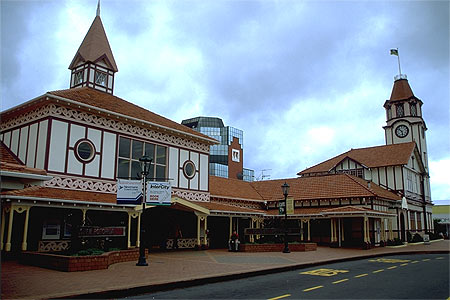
(175, 269)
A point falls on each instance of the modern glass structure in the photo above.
(225, 159)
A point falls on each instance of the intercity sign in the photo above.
(158, 193)
(129, 191)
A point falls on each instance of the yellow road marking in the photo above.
(403, 265)
(361, 275)
(378, 271)
(415, 262)
(389, 260)
(279, 297)
(339, 281)
(324, 272)
(313, 288)
(426, 259)
(393, 267)
(439, 257)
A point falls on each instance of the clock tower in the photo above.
(404, 122)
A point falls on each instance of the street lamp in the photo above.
(145, 166)
(285, 189)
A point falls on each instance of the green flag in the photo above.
(394, 52)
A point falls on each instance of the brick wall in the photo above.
(79, 263)
(277, 247)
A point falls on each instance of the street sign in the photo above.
(159, 193)
(290, 206)
(129, 191)
(281, 206)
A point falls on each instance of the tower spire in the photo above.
(98, 9)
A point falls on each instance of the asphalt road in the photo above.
(420, 276)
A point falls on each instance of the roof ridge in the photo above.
(66, 94)
(336, 156)
(364, 186)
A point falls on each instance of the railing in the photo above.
(53, 246)
(400, 76)
(188, 243)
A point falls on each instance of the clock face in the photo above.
(401, 131)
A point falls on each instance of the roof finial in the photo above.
(98, 8)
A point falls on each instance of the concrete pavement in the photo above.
(176, 269)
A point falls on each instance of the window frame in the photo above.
(91, 146)
(154, 164)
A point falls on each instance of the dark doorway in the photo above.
(219, 228)
(160, 224)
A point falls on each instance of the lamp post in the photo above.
(145, 165)
(285, 189)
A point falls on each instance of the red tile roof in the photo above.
(95, 45)
(115, 104)
(63, 194)
(333, 186)
(323, 211)
(378, 156)
(401, 90)
(322, 187)
(8, 162)
(232, 188)
(6, 156)
(214, 206)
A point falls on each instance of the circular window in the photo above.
(189, 169)
(84, 150)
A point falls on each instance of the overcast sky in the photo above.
(304, 80)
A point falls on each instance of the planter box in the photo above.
(277, 247)
(78, 263)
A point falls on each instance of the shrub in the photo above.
(409, 237)
(394, 242)
(90, 251)
(417, 238)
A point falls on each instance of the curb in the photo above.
(134, 291)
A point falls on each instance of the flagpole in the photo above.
(399, 69)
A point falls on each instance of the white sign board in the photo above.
(158, 193)
(129, 191)
(235, 155)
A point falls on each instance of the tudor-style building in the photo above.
(401, 166)
(62, 152)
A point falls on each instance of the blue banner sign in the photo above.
(129, 191)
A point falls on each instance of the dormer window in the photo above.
(400, 111)
(100, 78)
(78, 78)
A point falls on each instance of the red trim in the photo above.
(69, 126)
(18, 144)
(37, 142)
(82, 160)
(100, 168)
(28, 143)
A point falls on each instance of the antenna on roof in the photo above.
(98, 8)
(263, 176)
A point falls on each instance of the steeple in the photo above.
(401, 90)
(93, 64)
